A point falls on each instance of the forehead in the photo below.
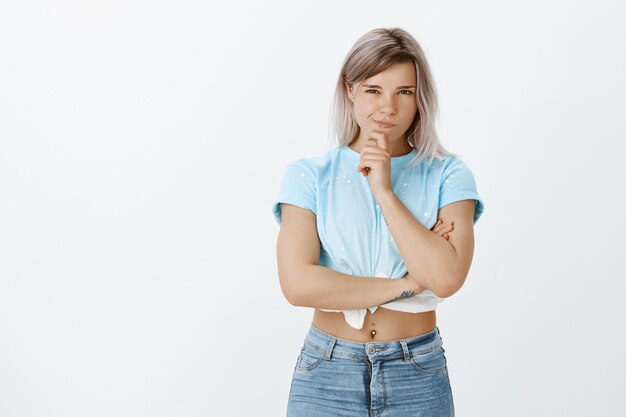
(397, 74)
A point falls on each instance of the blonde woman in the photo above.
(374, 234)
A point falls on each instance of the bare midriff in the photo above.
(383, 325)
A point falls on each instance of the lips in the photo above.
(383, 124)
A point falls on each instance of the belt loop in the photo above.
(405, 349)
(329, 350)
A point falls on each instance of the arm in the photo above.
(307, 284)
(438, 264)
(325, 288)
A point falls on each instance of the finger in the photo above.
(374, 140)
(381, 139)
(372, 164)
(371, 145)
(444, 228)
(373, 159)
(438, 226)
(441, 223)
(372, 148)
(374, 151)
(383, 142)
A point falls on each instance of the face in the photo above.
(388, 96)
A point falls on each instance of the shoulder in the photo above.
(457, 183)
(453, 161)
(314, 164)
(453, 166)
(447, 163)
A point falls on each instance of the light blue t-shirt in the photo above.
(352, 230)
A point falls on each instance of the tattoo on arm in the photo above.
(405, 294)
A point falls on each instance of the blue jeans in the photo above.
(338, 377)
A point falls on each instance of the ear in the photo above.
(349, 91)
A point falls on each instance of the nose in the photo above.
(388, 105)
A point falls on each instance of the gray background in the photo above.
(142, 144)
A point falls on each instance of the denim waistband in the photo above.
(331, 346)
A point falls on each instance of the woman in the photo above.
(388, 202)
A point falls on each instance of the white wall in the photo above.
(141, 147)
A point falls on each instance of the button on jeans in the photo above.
(337, 377)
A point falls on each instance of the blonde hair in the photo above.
(374, 52)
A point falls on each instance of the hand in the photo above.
(443, 229)
(375, 162)
(415, 286)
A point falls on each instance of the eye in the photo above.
(408, 91)
(367, 91)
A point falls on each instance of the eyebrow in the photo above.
(377, 86)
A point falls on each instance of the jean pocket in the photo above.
(430, 360)
(309, 359)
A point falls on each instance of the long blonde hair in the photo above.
(374, 52)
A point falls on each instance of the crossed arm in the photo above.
(307, 284)
(440, 265)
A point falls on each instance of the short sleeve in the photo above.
(298, 187)
(458, 183)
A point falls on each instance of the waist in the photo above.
(389, 325)
(322, 341)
